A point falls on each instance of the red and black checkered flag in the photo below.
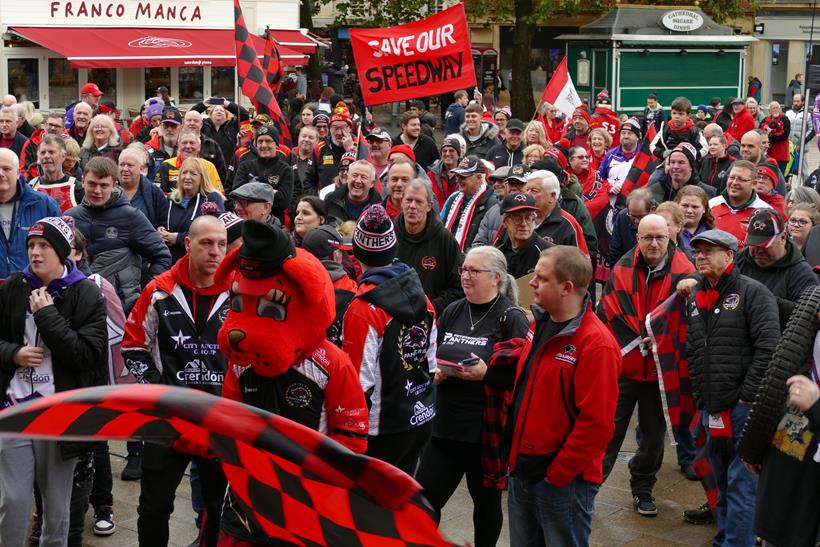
(298, 484)
(252, 77)
(643, 165)
(272, 63)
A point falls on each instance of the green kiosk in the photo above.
(637, 50)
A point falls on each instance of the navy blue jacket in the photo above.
(179, 218)
(151, 201)
(31, 207)
(624, 237)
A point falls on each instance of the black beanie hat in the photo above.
(689, 151)
(264, 249)
(233, 225)
(58, 234)
(374, 239)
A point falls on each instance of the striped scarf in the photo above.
(460, 214)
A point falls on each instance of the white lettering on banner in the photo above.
(121, 13)
(407, 46)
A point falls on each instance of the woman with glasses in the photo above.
(803, 218)
(467, 330)
(533, 153)
(802, 194)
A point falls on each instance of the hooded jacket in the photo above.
(668, 138)
(435, 256)
(453, 118)
(487, 138)
(714, 171)
(786, 279)
(742, 122)
(662, 190)
(443, 185)
(336, 202)
(162, 343)
(150, 200)
(74, 329)
(28, 155)
(180, 217)
(521, 262)
(29, 207)
(390, 335)
(118, 236)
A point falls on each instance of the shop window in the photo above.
(155, 77)
(222, 82)
(106, 80)
(190, 84)
(24, 80)
(63, 82)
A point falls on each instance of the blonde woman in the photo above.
(533, 153)
(101, 139)
(185, 203)
(599, 142)
(534, 134)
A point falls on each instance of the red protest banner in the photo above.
(414, 60)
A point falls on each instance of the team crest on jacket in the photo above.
(111, 232)
(413, 345)
(567, 354)
(428, 262)
(731, 301)
(298, 395)
(273, 180)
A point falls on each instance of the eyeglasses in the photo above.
(472, 273)
(636, 218)
(580, 157)
(520, 219)
(732, 178)
(656, 239)
(801, 222)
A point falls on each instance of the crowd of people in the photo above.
(492, 280)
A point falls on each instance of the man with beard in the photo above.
(681, 171)
(349, 201)
(54, 182)
(209, 149)
(511, 151)
(270, 168)
(423, 147)
(618, 161)
(441, 175)
(751, 149)
(303, 160)
(163, 145)
(380, 143)
(578, 133)
(339, 141)
(398, 175)
(427, 247)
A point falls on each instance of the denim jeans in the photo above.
(541, 514)
(737, 488)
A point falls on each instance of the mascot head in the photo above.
(282, 301)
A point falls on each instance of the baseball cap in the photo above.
(171, 115)
(765, 225)
(322, 241)
(254, 191)
(264, 119)
(501, 173)
(519, 173)
(92, 89)
(378, 133)
(321, 118)
(469, 165)
(716, 237)
(517, 201)
(515, 124)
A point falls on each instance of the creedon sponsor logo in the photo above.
(158, 42)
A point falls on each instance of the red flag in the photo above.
(643, 165)
(272, 63)
(251, 75)
(298, 484)
(560, 91)
(418, 59)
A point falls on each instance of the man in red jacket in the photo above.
(742, 120)
(655, 265)
(563, 410)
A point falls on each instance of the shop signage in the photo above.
(120, 13)
(682, 20)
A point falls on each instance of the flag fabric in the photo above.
(298, 484)
(254, 79)
(643, 165)
(701, 465)
(272, 64)
(667, 327)
(427, 57)
(560, 91)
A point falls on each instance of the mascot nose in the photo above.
(235, 337)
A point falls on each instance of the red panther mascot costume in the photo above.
(282, 302)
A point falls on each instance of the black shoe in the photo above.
(689, 472)
(104, 522)
(645, 504)
(701, 515)
(133, 468)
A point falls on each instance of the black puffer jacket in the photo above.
(663, 191)
(274, 171)
(74, 328)
(714, 171)
(730, 344)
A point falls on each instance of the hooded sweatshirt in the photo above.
(435, 256)
(390, 335)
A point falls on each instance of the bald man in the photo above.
(751, 149)
(656, 265)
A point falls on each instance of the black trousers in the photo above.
(644, 466)
(401, 449)
(162, 471)
(442, 466)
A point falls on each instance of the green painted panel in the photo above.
(635, 99)
(666, 69)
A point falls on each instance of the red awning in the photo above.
(293, 39)
(88, 47)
